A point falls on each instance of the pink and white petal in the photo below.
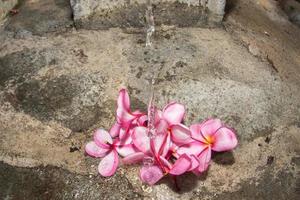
(115, 130)
(123, 100)
(167, 146)
(196, 132)
(204, 159)
(180, 134)
(174, 113)
(94, 150)
(102, 138)
(140, 139)
(109, 164)
(124, 117)
(125, 150)
(193, 148)
(209, 127)
(194, 162)
(181, 165)
(151, 174)
(125, 136)
(165, 162)
(162, 144)
(224, 140)
(133, 158)
(161, 126)
(142, 120)
(158, 115)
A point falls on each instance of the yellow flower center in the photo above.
(209, 139)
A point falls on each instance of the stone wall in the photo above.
(94, 14)
(6, 6)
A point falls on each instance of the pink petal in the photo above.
(123, 99)
(140, 139)
(125, 136)
(174, 113)
(180, 134)
(196, 132)
(204, 159)
(165, 162)
(224, 140)
(123, 108)
(94, 150)
(194, 162)
(162, 144)
(151, 174)
(133, 158)
(115, 130)
(209, 127)
(161, 126)
(181, 165)
(125, 150)
(109, 164)
(193, 148)
(158, 115)
(102, 138)
(124, 117)
(142, 120)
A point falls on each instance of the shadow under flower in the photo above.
(188, 181)
(183, 183)
(223, 158)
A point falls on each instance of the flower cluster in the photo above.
(174, 150)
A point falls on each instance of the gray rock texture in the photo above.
(40, 17)
(6, 6)
(93, 14)
(58, 85)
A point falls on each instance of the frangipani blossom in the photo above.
(174, 150)
(215, 134)
(105, 147)
(201, 139)
(162, 167)
(125, 117)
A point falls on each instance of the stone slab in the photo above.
(93, 14)
(39, 17)
(6, 6)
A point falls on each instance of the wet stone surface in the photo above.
(70, 100)
(40, 17)
(121, 13)
(20, 65)
(269, 186)
(55, 183)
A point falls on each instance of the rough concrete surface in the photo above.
(57, 85)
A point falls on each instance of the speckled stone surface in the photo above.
(93, 14)
(58, 85)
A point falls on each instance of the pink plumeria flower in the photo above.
(126, 119)
(201, 139)
(162, 167)
(157, 148)
(172, 113)
(105, 147)
(174, 150)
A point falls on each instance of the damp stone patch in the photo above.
(123, 13)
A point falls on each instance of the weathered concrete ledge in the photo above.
(6, 6)
(93, 14)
